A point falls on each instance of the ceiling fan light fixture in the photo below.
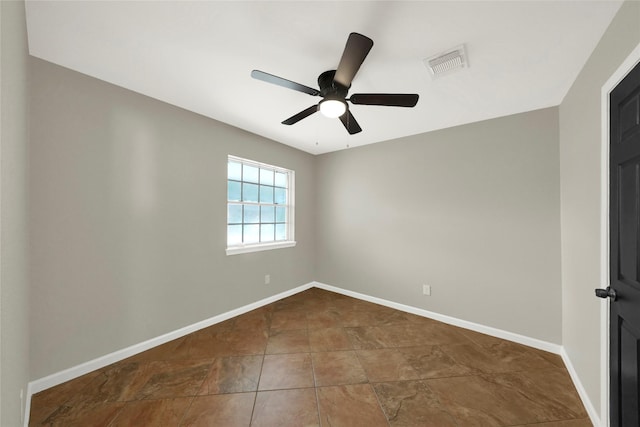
(332, 108)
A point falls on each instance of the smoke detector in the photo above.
(447, 62)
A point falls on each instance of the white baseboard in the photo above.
(588, 405)
(499, 333)
(27, 405)
(52, 380)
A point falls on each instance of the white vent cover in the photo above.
(447, 62)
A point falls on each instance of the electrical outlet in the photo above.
(426, 289)
(267, 279)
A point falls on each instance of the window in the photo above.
(259, 206)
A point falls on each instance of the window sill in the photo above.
(236, 250)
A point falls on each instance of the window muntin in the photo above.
(259, 206)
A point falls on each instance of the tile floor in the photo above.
(322, 359)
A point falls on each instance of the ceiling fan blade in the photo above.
(355, 51)
(388, 99)
(350, 123)
(301, 115)
(270, 78)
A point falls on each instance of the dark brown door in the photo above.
(625, 251)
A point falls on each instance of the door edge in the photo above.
(621, 72)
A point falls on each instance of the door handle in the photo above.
(607, 293)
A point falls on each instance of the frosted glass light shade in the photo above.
(332, 108)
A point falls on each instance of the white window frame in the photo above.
(290, 223)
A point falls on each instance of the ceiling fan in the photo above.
(334, 86)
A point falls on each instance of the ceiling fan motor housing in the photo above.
(329, 88)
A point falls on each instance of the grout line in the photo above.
(315, 384)
(440, 405)
(184, 415)
(74, 372)
(370, 383)
(495, 332)
(384, 414)
(318, 405)
(264, 354)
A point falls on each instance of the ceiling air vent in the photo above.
(447, 62)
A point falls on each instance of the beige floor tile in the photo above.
(234, 374)
(386, 365)
(281, 371)
(286, 408)
(288, 341)
(329, 339)
(412, 403)
(337, 367)
(350, 405)
(229, 410)
(152, 413)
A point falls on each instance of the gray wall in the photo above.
(580, 154)
(14, 285)
(472, 210)
(128, 219)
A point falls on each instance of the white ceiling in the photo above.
(523, 55)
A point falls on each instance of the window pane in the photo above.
(249, 192)
(281, 179)
(234, 171)
(251, 214)
(266, 194)
(268, 214)
(249, 173)
(233, 191)
(280, 196)
(258, 203)
(266, 232)
(234, 234)
(266, 177)
(251, 233)
(234, 214)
